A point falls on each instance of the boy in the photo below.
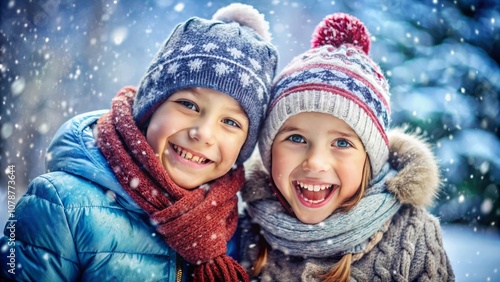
(147, 191)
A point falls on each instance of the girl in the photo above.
(344, 200)
(147, 190)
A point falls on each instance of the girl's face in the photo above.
(197, 134)
(317, 164)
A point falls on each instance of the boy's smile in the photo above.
(197, 134)
(316, 168)
(190, 156)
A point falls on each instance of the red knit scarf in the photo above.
(197, 223)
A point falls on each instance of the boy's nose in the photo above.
(316, 161)
(202, 132)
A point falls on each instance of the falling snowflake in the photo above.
(286, 251)
(7, 130)
(487, 206)
(110, 196)
(134, 183)
(193, 132)
(18, 86)
(119, 35)
(179, 7)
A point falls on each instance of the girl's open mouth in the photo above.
(314, 194)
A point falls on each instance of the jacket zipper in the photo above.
(178, 274)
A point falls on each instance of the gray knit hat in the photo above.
(336, 76)
(231, 53)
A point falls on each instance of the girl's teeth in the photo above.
(314, 188)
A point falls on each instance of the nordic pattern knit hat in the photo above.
(231, 53)
(336, 76)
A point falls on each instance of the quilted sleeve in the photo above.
(41, 237)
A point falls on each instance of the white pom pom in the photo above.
(245, 15)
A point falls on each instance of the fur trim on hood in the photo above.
(418, 179)
(416, 183)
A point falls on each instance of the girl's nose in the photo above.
(316, 161)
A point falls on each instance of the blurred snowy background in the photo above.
(442, 58)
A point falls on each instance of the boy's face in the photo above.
(197, 134)
(317, 164)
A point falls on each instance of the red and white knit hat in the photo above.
(336, 76)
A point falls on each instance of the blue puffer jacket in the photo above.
(76, 223)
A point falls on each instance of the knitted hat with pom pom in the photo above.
(230, 53)
(336, 76)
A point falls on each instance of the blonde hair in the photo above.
(341, 271)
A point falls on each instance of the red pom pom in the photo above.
(339, 29)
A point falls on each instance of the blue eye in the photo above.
(342, 143)
(295, 138)
(188, 104)
(231, 122)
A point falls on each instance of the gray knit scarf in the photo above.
(340, 233)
